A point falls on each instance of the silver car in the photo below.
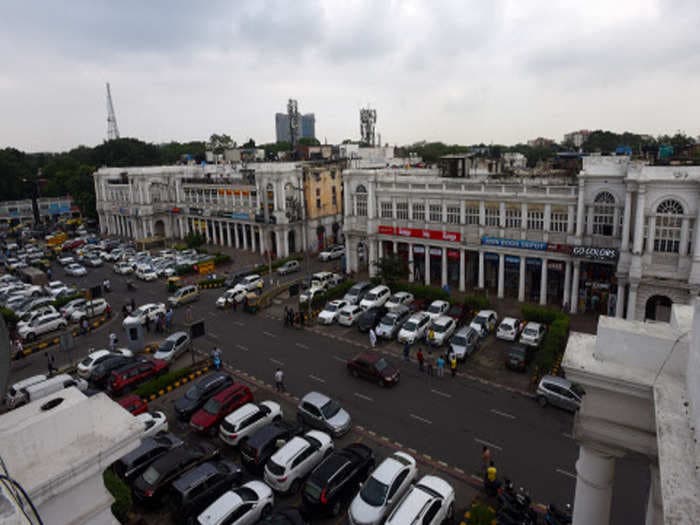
(321, 412)
(560, 392)
(391, 323)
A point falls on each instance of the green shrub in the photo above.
(221, 258)
(212, 282)
(184, 269)
(540, 314)
(159, 383)
(11, 318)
(180, 246)
(554, 342)
(429, 293)
(279, 262)
(121, 493)
(337, 291)
(477, 302)
(62, 301)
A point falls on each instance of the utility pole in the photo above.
(112, 128)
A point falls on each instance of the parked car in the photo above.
(383, 490)
(199, 393)
(154, 423)
(173, 346)
(440, 330)
(391, 323)
(101, 373)
(133, 374)
(123, 268)
(330, 311)
(319, 411)
(54, 288)
(559, 392)
(251, 282)
(150, 310)
(333, 483)
(484, 322)
(244, 421)
(91, 309)
(65, 261)
(50, 386)
(459, 313)
(261, 444)
(413, 330)
(87, 365)
(532, 335)
(27, 318)
(75, 270)
(146, 273)
(41, 325)
(349, 314)
(438, 308)
(310, 294)
(509, 329)
(133, 404)
(398, 299)
(286, 469)
(464, 342)
(72, 306)
(184, 295)
(156, 479)
(376, 297)
(518, 357)
(15, 395)
(208, 418)
(370, 318)
(357, 292)
(244, 505)
(332, 252)
(289, 267)
(93, 261)
(431, 501)
(131, 465)
(374, 367)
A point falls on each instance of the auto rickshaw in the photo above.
(174, 283)
(251, 303)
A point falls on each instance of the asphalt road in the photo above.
(447, 419)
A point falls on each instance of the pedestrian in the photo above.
(420, 358)
(216, 357)
(453, 365)
(406, 351)
(49, 273)
(279, 380)
(133, 304)
(84, 326)
(491, 472)
(19, 348)
(429, 365)
(286, 316)
(112, 341)
(188, 314)
(235, 305)
(440, 366)
(51, 363)
(485, 459)
(147, 323)
(372, 338)
(169, 318)
(431, 335)
(125, 311)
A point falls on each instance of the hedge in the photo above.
(11, 318)
(121, 493)
(540, 314)
(429, 293)
(62, 301)
(554, 342)
(211, 283)
(476, 302)
(221, 258)
(159, 383)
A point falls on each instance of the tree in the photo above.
(250, 144)
(194, 240)
(219, 143)
(309, 141)
(390, 269)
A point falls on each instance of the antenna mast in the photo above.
(293, 114)
(368, 120)
(112, 128)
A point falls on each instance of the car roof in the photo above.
(438, 301)
(411, 506)
(370, 357)
(532, 324)
(379, 288)
(229, 390)
(509, 320)
(315, 398)
(443, 320)
(387, 469)
(240, 413)
(265, 434)
(285, 454)
(175, 336)
(223, 506)
(401, 293)
(556, 380)
(464, 331)
(485, 313)
(417, 316)
(351, 307)
(195, 476)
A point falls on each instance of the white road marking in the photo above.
(440, 393)
(212, 334)
(482, 442)
(302, 345)
(241, 347)
(366, 398)
(276, 361)
(421, 419)
(569, 474)
(269, 334)
(502, 414)
(567, 435)
(340, 359)
(315, 378)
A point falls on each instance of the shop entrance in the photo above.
(555, 282)
(453, 268)
(597, 288)
(490, 272)
(658, 308)
(436, 266)
(511, 276)
(471, 267)
(533, 277)
(418, 263)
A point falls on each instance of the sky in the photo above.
(463, 71)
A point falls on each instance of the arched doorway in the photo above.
(658, 308)
(273, 243)
(159, 228)
(321, 234)
(361, 256)
(291, 240)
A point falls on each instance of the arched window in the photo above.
(669, 218)
(361, 201)
(603, 214)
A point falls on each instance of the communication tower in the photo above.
(368, 119)
(293, 114)
(112, 128)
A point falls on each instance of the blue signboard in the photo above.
(512, 260)
(522, 244)
(240, 216)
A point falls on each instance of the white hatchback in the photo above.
(287, 467)
(414, 329)
(330, 311)
(244, 505)
(509, 329)
(441, 329)
(244, 421)
(398, 299)
(431, 501)
(87, 365)
(349, 315)
(532, 334)
(438, 308)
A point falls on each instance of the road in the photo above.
(444, 418)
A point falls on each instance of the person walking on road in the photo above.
(188, 314)
(112, 341)
(420, 358)
(485, 459)
(406, 351)
(440, 366)
(148, 323)
(19, 348)
(133, 304)
(453, 365)
(169, 318)
(372, 338)
(429, 365)
(279, 380)
(51, 363)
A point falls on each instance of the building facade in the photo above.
(323, 194)
(50, 209)
(619, 238)
(307, 127)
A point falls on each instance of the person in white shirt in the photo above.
(279, 380)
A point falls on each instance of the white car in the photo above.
(41, 325)
(244, 421)
(29, 316)
(377, 296)
(431, 501)
(65, 261)
(123, 268)
(75, 270)
(533, 333)
(154, 422)
(251, 282)
(441, 329)
(349, 315)
(484, 322)
(90, 309)
(93, 260)
(332, 252)
(55, 288)
(330, 311)
(150, 310)
(174, 345)
(32, 290)
(228, 297)
(287, 467)
(245, 505)
(383, 490)
(87, 365)
(146, 273)
(414, 329)
(288, 267)
(310, 294)
(398, 299)
(72, 306)
(437, 308)
(509, 329)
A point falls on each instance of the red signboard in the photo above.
(434, 235)
(453, 254)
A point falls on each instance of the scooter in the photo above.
(556, 516)
(515, 507)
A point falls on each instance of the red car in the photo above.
(127, 377)
(72, 245)
(207, 418)
(134, 404)
(373, 366)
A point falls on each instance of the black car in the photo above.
(333, 483)
(195, 490)
(264, 442)
(370, 318)
(100, 375)
(284, 517)
(131, 465)
(155, 481)
(519, 357)
(198, 394)
(235, 278)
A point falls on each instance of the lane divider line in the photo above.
(421, 419)
(502, 414)
(487, 443)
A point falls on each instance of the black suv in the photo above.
(370, 318)
(131, 465)
(333, 483)
(101, 373)
(519, 357)
(264, 442)
(195, 490)
(199, 393)
(150, 486)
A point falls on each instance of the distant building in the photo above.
(308, 127)
(50, 208)
(514, 160)
(540, 142)
(577, 138)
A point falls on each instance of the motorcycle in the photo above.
(557, 516)
(514, 507)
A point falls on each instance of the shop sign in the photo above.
(175, 210)
(555, 265)
(512, 260)
(386, 230)
(240, 216)
(196, 211)
(591, 252)
(559, 248)
(434, 235)
(453, 254)
(533, 262)
(492, 256)
(597, 286)
(435, 251)
(418, 249)
(522, 244)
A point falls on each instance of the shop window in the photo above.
(386, 210)
(669, 218)
(334, 195)
(402, 211)
(435, 213)
(472, 214)
(418, 211)
(453, 214)
(603, 214)
(535, 220)
(492, 216)
(559, 221)
(361, 201)
(513, 217)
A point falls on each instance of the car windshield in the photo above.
(381, 364)
(480, 320)
(435, 308)
(330, 409)
(139, 311)
(86, 361)
(212, 406)
(439, 328)
(374, 492)
(517, 352)
(192, 394)
(151, 475)
(530, 331)
(410, 326)
(331, 307)
(459, 340)
(166, 346)
(388, 320)
(370, 296)
(395, 299)
(507, 326)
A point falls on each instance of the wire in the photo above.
(668, 356)
(5, 478)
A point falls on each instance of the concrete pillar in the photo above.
(501, 275)
(285, 243)
(696, 240)
(349, 265)
(426, 277)
(639, 222)
(543, 283)
(595, 474)
(206, 231)
(626, 219)
(651, 234)
(279, 243)
(655, 511)
(462, 286)
(567, 283)
(481, 269)
(620, 301)
(547, 217)
(254, 243)
(574, 287)
(589, 221)
(236, 237)
(632, 302)
(685, 233)
(245, 237)
(616, 221)
(580, 208)
(570, 219)
(521, 280)
(395, 248)
(372, 244)
(221, 233)
(411, 268)
(444, 266)
(228, 234)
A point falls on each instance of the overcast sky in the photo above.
(461, 72)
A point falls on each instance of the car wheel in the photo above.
(542, 401)
(451, 511)
(295, 486)
(336, 508)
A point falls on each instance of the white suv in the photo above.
(414, 329)
(41, 325)
(245, 420)
(287, 467)
(377, 296)
(431, 501)
(441, 330)
(330, 311)
(532, 334)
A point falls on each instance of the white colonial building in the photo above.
(620, 238)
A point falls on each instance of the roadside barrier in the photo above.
(194, 374)
(75, 331)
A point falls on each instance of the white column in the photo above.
(254, 243)
(626, 216)
(543, 283)
(639, 222)
(501, 275)
(620, 301)
(411, 269)
(285, 243)
(696, 238)
(221, 234)
(575, 287)
(372, 257)
(482, 213)
(481, 269)
(570, 216)
(462, 286)
(444, 266)
(523, 216)
(685, 233)
(278, 244)
(595, 474)
(245, 237)
(395, 247)
(502, 215)
(567, 282)
(632, 302)
(616, 221)
(651, 234)
(426, 277)
(228, 234)
(349, 266)
(589, 220)
(236, 237)
(371, 204)
(206, 231)
(547, 217)
(580, 208)
(521, 281)
(655, 511)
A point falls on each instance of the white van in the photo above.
(322, 280)
(14, 394)
(50, 386)
(377, 296)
